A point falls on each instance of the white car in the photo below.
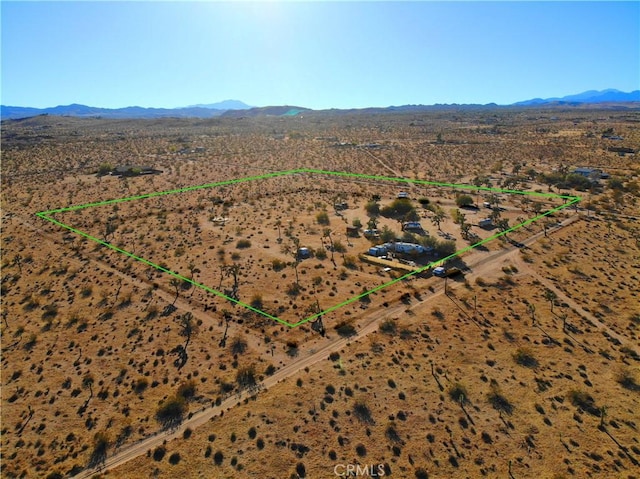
(439, 271)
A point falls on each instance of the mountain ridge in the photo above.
(589, 96)
(238, 109)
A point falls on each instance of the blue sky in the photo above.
(314, 54)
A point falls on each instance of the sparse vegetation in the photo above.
(82, 324)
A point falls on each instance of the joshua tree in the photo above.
(193, 270)
(438, 217)
(326, 233)
(465, 229)
(532, 312)
(187, 329)
(175, 282)
(110, 228)
(87, 383)
(495, 214)
(233, 270)
(551, 297)
(293, 249)
(227, 317)
(503, 225)
(278, 225)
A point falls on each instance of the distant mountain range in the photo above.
(591, 96)
(236, 108)
(224, 105)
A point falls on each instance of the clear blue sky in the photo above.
(314, 54)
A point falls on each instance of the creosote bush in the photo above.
(362, 412)
(524, 357)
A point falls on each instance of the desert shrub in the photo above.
(218, 457)
(627, 380)
(445, 248)
(350, 262)
(399, 208)
(174, 458)
(100, 447)
(293, 289)
(500, 402)
(630, 352)
(105, 169)
(171, 411)
(278, 265)
(159, 452)
(345, 329)
(246, 377)
(292, 348)
(301, 470)
(321, 253)
(372, 208)
(243, 244)
(584, 401)
(388, 326)
(140, 385)
(421, 473)
(50, 311)
(322, 218)
(458, 393)
(256, 301)
(31, 342)
(361, 450)
(187, 389)
(362, 412)
(238, 345)
(387, 234)
(464, 200)
(391, 433)
(524, 357)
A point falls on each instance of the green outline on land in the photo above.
(569, 201)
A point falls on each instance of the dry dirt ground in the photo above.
(528, 366)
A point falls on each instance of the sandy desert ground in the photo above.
(526, 366)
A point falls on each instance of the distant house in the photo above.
(131, 170)
(591, 173)
(400, 248)
(621, 150)
(377, 251)
(403, 195)
(485, 223)
(408, 248)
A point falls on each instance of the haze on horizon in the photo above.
(314, 54)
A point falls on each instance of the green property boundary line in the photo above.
(47, 215)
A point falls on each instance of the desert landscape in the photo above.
(213, 297)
